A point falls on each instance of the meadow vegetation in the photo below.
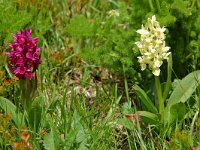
(99, 74)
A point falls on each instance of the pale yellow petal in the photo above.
(156, 71)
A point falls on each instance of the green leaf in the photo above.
(82, 138)
(177, 111)
(51, 140)
(182, 92)
(9, 107)
(149, 117)
(145, 99)
(70, 138)
(48, 141)
(126, 123)
(185, 89)
(35, 113)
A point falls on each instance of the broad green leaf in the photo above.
(182, 92)
(9, 107)
(51, 139)
(185, 89)
(145, 99)
(35, 113)
(177, 112)
(149, 117)
(173, 114)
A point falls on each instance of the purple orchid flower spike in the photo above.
(24, 57)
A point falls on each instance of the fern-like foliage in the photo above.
(11, 20)
(107, 41)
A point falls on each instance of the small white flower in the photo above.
(165, 49)
(153, 18)
(143, 66)
(157, 63)
(152, 46)
(139, 45)
(143, 31)
(156, 71)
(113, 13)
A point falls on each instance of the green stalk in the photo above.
(151, 5)
(126, 87)
(193, 3)
(169, 82)
(160, 98)
(158, 5)
(198, 5)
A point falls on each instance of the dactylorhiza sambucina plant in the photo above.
(24, 57)
(152, 46)
(24, 60)
(153, 50)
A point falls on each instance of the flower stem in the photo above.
(169, 82)
(160, 98)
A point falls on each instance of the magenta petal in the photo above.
(31, 44)
(20, 70)
(28, 74)
(18, 49)
(10, 54)
(19, 61)
(27, 32)
(20, 76)
(29, 55)
(30, 50)
(35, 40)
(30, 63)
(21, 40)
(37, 50)
(35, 56)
